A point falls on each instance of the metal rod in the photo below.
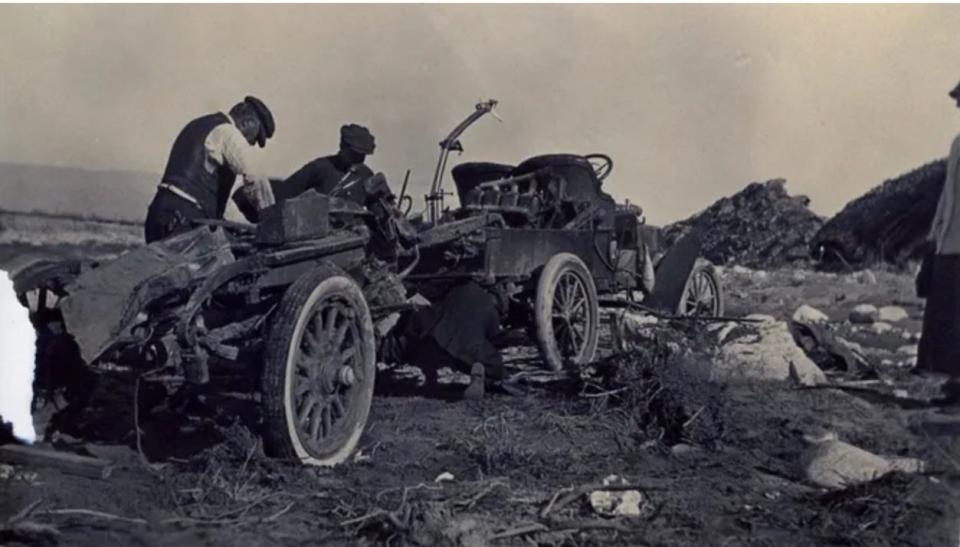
(656, 313)
(447, 144)
(403, 189)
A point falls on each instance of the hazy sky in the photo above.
(692, 102)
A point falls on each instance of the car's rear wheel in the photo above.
(319, 369)
(567, 313)
(703, 293)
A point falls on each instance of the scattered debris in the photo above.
(66, 462)
(10, 472)
(760, 226)
(723, 330)
(630, 330)
(18, 529)
(828, 351)
(655, 396)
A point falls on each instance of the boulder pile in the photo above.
(887, 224)
(762, 226)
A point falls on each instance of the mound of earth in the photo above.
(887, 224)
(762, 226)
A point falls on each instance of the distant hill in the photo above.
(121, 195)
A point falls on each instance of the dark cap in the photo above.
(267, 126)
(358, 138)
(955, 93)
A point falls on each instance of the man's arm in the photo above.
(297, 183)
(226, 145)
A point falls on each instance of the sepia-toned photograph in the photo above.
(480, 274)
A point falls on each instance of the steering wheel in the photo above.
(601, 163)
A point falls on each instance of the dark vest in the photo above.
(187, 171)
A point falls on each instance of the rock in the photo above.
(880, 327)
(807, 314)
(817, 434)
(798, 278)
(444, 477)
(909, 363)
(740, 270)
(682, 449)
(760, 275)
(910, 336)
(864, 314)
(908, 350)
(831, 463)
(611, 503)
(866, 277)
(763, 351)
(888, 223)
(892, 314)
(761, 226)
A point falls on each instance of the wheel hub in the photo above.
(346, 376)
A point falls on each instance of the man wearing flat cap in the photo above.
(341, 174)
(205, 160)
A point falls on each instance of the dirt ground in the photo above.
(714, 465)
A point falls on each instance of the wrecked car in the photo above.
(545, 237)
(285, 308)
(290, 308)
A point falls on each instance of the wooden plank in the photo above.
(74, 464)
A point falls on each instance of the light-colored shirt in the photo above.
(226, 144)
(945, 230)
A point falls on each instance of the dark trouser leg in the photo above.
(169, 215)
(940, 339)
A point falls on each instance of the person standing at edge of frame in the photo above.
(939, 282)
(204, 162)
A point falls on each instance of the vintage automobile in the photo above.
(284, 309)
(546, 237)
(287, 308)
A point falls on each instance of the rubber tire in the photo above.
(543, 305)
(279, 434)
(704, 265)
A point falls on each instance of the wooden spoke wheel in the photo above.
(567, 313)
(319, 369)
(703, 294)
